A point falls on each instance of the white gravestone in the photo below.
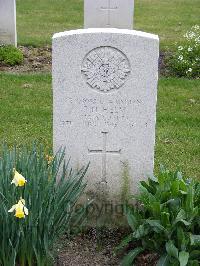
(8, 33)
(108, 14)
(104, 91)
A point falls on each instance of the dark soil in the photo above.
(35, 60)
(39, 60)
(95, 248)
(162, 64)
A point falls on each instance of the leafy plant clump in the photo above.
(166, 220)
(37, 204)
(10, 55)
(185, 62)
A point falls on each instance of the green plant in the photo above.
(185, 62)
(166, 220)
(10, 55)
(50, 191)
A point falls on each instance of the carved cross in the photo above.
(104, 153)
(109, 8)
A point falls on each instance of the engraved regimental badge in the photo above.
(105, 68)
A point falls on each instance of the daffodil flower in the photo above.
(18, 179)
(20, 209)
(49, 158)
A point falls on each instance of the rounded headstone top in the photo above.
(106, 31)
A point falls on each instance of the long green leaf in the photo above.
(171, 249)
(164, 260)
(125, 242)
(183, 258)
(129, 258)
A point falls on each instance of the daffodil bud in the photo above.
(49, 158)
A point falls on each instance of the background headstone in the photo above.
(8, 34)
(104, 91)
(108, 14)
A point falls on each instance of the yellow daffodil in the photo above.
(49, 158)
(18, 179)
(20, 209)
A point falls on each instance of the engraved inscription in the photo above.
(104, 153)
(105, 68)
(106, 113)
(66, 123)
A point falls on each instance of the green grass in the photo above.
(178, 125)
(38, 20)
(170, 19)
(26, 115)
(26, 109)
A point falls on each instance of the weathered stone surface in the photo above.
(105, 90)
(108, 14)
(8, 33)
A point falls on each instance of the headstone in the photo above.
(8, 33)
(104, 91)
(108, 14)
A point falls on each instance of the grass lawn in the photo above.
(26, 109)
(38, 20)
(26, 115)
